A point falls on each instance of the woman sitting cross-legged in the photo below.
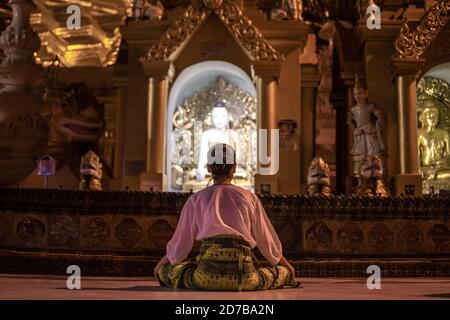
(229, 221)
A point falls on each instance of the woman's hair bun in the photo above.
(221, 159)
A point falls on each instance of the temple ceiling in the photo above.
(96, 43)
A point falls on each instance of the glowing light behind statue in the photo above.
(219, 133)
(194, 115)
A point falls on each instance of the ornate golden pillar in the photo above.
(407, 121)
(160, 74)
(408, 180)
(310, 80)
(120, 82)
(158, 86)
(344, 133)
(265, 75)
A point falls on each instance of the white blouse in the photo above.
(224, 210)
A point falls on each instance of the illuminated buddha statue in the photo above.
(433, 144)
(219, 133)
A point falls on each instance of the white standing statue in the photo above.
(367, 123)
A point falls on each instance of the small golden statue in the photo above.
(371, 178)
(433, 141)
(319, 177)
(433, 144)
(91, 172)
(367, 123)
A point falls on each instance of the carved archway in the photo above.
(191, 96)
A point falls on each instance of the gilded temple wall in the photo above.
(212, 42)
(372, 55)
(288, 107)
(135, 120)
(121, 227)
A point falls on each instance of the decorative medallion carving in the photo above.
(350, 237)
(232, 17)
(96, 231)
(440, 236)
(288, 233)
(64, 230)
(410, 238)
(412, 44)
(319, 236)
(381, 237)
(128, 232)
(5, 228)
(160, 233)
(31, 230)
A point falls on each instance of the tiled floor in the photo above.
(54, 287)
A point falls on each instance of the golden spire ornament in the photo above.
(212, 4)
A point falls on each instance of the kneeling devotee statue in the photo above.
(91, 172)
(433, 146)
(371, 178)
(367, 123)
(319, 177)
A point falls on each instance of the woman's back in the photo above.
(218, 216)
(224, 209)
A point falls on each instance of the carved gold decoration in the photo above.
(177, 34)
(233, 18)
(439, 90)
(244, 31)
(412, 44)
(96, 43)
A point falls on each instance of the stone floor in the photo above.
(54, 287)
